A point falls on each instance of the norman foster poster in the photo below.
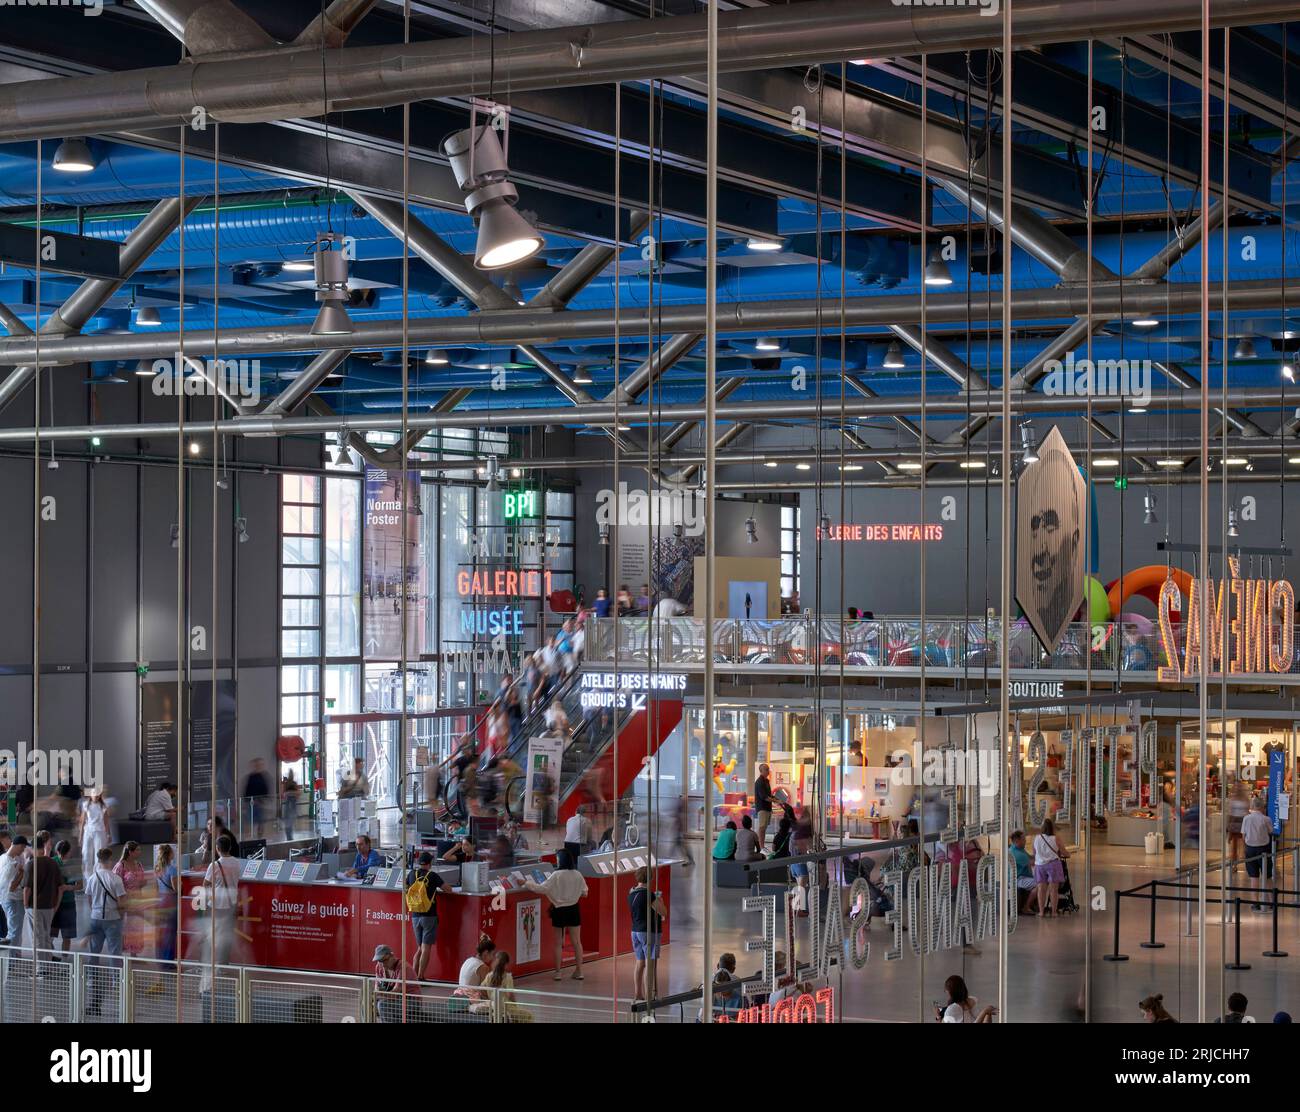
(1050, 500)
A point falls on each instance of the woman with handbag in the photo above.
(1048, 870)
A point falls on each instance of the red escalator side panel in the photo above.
(633, 747)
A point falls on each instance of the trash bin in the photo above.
(1155, 843)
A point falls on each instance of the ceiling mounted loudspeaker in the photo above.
(73, 157)
(331, 267)
(479, 163)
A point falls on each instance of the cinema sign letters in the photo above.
(1260, 627)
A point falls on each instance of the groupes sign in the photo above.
(1261, 626)
(904, 532)
(620, 690)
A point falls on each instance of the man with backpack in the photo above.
(422, 885)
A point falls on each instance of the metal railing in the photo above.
(951, 645)
(76, 987)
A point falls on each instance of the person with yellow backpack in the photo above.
(422, 885)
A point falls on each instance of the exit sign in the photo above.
(521, 503)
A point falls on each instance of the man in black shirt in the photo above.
(257, 790)
(762, 803)
(648, 912)
(424, 923)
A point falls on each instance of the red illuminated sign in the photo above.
(803, 1008)
(904, 532)
(502, 583)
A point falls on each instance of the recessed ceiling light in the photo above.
(1145, 322)
(1170, 463)
(194, 447)
(759, 243)
(972, 465)
(908, 465)
(1105, 461)
(1236, 461)
(769, 463)
(850, 467)
(803, 466)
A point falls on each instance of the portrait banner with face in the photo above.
(1051, 496)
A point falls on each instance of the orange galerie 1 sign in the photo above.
(1260, 627)
(898, 532)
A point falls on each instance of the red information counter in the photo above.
(336, 927)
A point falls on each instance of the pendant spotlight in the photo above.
(331, 266)
(582, 377)
(493, 479)
(436, 357)
(73, 157)
(1232, 524)
(1149, 509)
(241, 530)
(936, 269)
(339, 453)
(893, 356)
(604, 535)
(176, 536)
(1029, 441)
(826, 524)
(148, 318)
(1245, 348)
(1288, 372)
(478, 160)
(751, 530)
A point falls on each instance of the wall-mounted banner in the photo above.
(1261, 627)
(542, 783)
(205, 749)
(383, 582)
(1050, 498)
(621, 690)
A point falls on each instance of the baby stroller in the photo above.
(1065, 894)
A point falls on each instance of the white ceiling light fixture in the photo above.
(331, 268)
(195, 447)
(478, 159)
(582, 377)
(1235, 461)
(893, 356)
(298, 266)
(148, 318)
(936, 269)
(1244, 349)
(769, 463)
(760, 243)
(1232, 525)
(1288, 372)
(436, 357)
(972, 465)
(1104, 461)
(1145, 322)
(493, 480)
(339, 453)
(909, 465)
(1171, 463)
(803, 466)
(73, 156)
(766, 343)
(751, 530)
(145, 367)
(1149, 509)
(850, 467)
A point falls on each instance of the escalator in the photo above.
(588, 769)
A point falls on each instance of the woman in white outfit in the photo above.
(93, 827)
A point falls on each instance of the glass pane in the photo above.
(342, 689)
(300, 612)
(302, 519)
(301, 550)
(301, 488)
(301, 581)
(300, 642)
(300, 679)
(298, 709)
(342, 567)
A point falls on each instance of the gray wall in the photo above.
(109, 579)
(964, 569)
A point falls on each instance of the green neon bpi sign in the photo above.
(521, 503)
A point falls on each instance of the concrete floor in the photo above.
(1047, 957)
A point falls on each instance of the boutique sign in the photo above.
(1260, 617)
